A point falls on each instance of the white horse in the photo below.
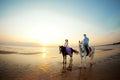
(83, 54)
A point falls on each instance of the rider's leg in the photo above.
(86, 48)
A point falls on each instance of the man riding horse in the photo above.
(86, 50)
(86, 43)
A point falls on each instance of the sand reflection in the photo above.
(70, 72)
(85, 74)
(44, 67)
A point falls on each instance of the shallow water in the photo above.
(37, 55)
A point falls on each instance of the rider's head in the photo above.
(84, 35)
(66, 40)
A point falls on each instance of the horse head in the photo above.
(82, 48)
(61, 48)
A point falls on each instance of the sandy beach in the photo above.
(44, 66)
(36, 34)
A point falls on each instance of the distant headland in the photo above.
(114, 43)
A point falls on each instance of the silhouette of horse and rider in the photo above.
(84, 50)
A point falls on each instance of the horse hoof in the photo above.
(84, 67)
(64, 62)
(91, 63)
(80, 67)
(63, 71)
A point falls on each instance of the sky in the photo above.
(50, 22)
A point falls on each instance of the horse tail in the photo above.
(75, 51)
(93, 49)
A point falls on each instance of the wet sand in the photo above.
(104, 68)
(107, 69)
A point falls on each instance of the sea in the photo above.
(38, 55)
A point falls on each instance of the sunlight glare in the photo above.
(44, 52)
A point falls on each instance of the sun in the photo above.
(45, 42)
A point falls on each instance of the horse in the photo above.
(62, 50)
(66, 68)
(83, 54)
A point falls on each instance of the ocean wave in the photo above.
(11, 52)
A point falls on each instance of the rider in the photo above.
(67, 47)
(86, 43)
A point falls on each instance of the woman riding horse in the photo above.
(68, 49)
(62, 50)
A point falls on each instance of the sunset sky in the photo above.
(50, 22)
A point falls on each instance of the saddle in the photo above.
(89, 49)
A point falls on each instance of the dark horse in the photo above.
(64, 53)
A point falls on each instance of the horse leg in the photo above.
(92, 55)
(70, 64)
(71, 58)
(91, 59)
(85, 61)
(81, 62)
(64, 59)
(64, 68)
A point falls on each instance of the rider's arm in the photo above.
(66, 44)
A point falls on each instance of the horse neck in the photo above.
(82, 50)
(63, 49)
